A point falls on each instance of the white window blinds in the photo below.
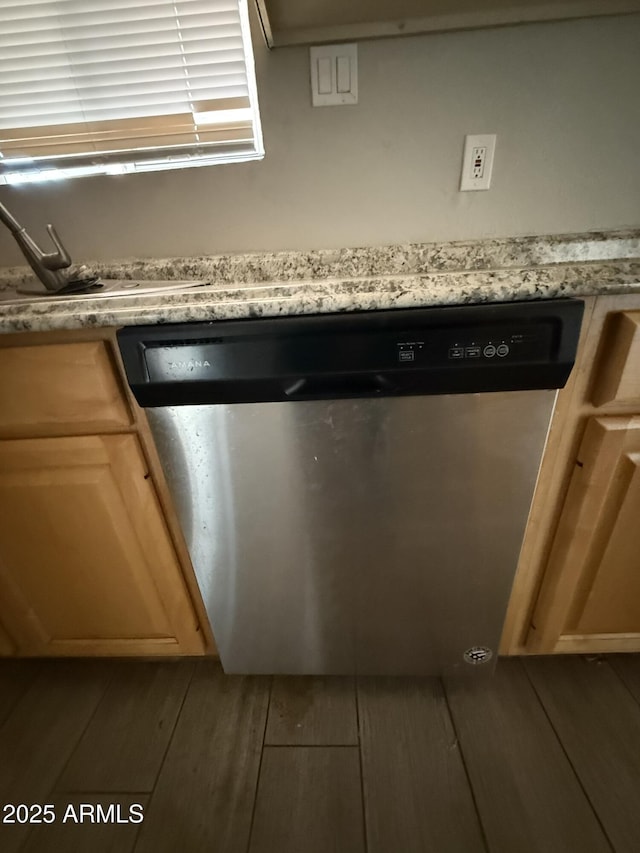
(111, 86)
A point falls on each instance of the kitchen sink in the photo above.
(103, 288)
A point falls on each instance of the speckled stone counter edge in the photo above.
(409, 259)
(377, 278)
(313, 297)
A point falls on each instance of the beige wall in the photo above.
(562, 97)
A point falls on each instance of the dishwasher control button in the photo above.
(456, 352)
(502, 350)
(406, 355)
(489, 351)
(473, 352)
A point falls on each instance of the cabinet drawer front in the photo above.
(618, 368)
(59, 388)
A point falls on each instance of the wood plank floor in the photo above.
(167, 756)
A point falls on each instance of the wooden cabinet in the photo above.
(578, 584)
(617, 374)
(592, 594)
(88, 562)
(85, 559)
(60, 389)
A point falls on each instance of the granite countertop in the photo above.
(287, 283)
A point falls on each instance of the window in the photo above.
(114, 86)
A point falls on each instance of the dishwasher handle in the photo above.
(346, 385)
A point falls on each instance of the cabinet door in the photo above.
(86, 563)
(590, 599)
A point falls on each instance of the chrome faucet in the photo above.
(54, 269)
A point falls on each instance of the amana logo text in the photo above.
(189, 365)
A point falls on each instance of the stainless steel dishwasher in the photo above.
(354, 488)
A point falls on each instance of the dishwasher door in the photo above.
(373, 536)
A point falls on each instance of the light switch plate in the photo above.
(334, 74)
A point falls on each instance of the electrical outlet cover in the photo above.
(477, 162)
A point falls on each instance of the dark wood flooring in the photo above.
(545, 758)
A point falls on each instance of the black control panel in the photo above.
(469, 349)
(516, 345)
(237, 357)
